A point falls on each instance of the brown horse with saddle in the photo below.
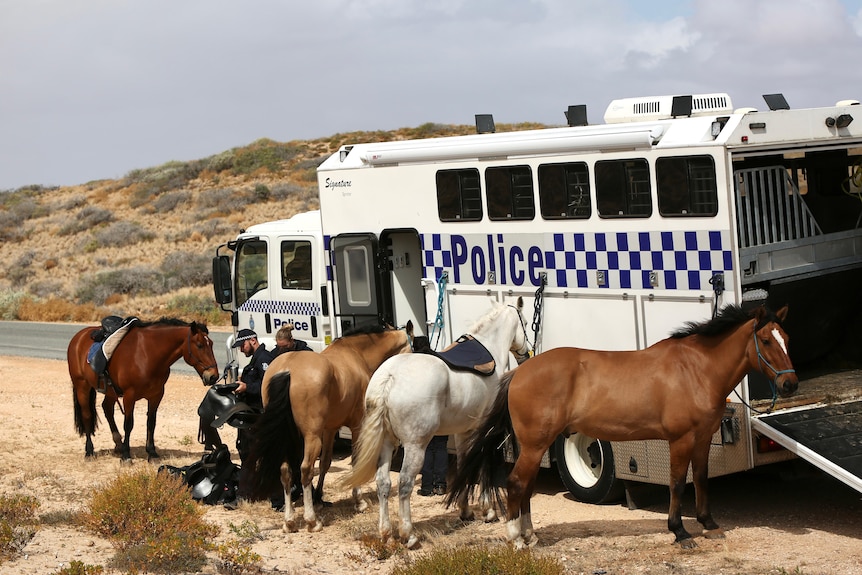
(139, 367)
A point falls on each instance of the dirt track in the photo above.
(775, 522)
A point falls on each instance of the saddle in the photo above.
(211, 480)
(220, 405)
(105, 340)
(467, 354)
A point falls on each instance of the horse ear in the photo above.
(759, 314)
(520, 302)
(409, 327)
(782, 313)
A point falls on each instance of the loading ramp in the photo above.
(827, 436)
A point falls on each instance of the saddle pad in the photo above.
(113, 340)
(468, 354)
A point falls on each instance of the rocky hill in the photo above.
(142, 245)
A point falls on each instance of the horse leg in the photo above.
(152, 410)
(84, 398)
(384, 488)
(519, 526)
(414, 456)
(108, 405)
(128, 424)
(312, 452)
(680, 457)
(325, 464)
(700, 474)
(289, 525)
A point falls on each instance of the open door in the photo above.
(361, 282)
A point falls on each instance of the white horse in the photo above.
(413, 397)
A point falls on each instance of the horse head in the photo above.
(199, 353)
(520, 345)
(771, 344)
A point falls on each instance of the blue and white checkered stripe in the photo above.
(683, 260)
(305, 308)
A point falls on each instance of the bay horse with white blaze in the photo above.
(673, 390)
(414, 397)
(307, 398)
(139, 368)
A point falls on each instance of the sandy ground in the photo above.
(776, 522)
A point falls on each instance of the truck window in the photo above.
(686, 186)
(623, 188)
(296, 265)
(510, 193)
(564, 191)
(251, 270)
(458, 196)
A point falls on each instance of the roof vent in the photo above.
(840, 103)
(661, 107)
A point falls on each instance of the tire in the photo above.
(586, 466)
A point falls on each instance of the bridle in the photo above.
(523, 353)
(198, 363)
(762, 361)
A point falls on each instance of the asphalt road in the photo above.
(50, 341)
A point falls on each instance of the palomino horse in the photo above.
(307, 398)
(673, 390)
(139, 367)
(412, 398)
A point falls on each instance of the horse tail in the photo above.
(80, 425)
(275, 439)
(483, 461)
(375, 427)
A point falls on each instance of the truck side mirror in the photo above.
(221, 280)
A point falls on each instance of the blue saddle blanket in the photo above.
(468, 354)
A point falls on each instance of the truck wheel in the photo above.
(586, 466)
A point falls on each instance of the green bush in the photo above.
(479, 560)
(186, 269)
(17, 524)
(10, 302)
(169, 201)
(97, 288)
(263, 154)
(152, 521)
(79, 568)
(199, 308)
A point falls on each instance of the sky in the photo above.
(92, 89)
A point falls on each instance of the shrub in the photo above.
(169, 201)
(97, 288)
(199, 308)
(89, 217)
(122, 233)
(10, 302)
(480, 560)
(55, 309)
(236, 558)
(17, 524)
(186, 269)
(263, 154)
(79, 568)
(152, 521)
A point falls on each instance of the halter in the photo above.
(201, 372)
(761, 361)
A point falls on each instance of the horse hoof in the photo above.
(490, 516)
(518, 544)
(289, 527)
(361, 506)
(687, 543)
(315, 527)
(714, 533)
(412, 541)
(469, 516)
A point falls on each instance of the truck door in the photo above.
(361, 282)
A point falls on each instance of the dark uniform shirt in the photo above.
(252, 375)
(299, 346)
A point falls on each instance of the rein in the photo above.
(527, 345)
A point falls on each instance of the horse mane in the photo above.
(728, 318)
(172, 321)
(363, 330)
(487, 318)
